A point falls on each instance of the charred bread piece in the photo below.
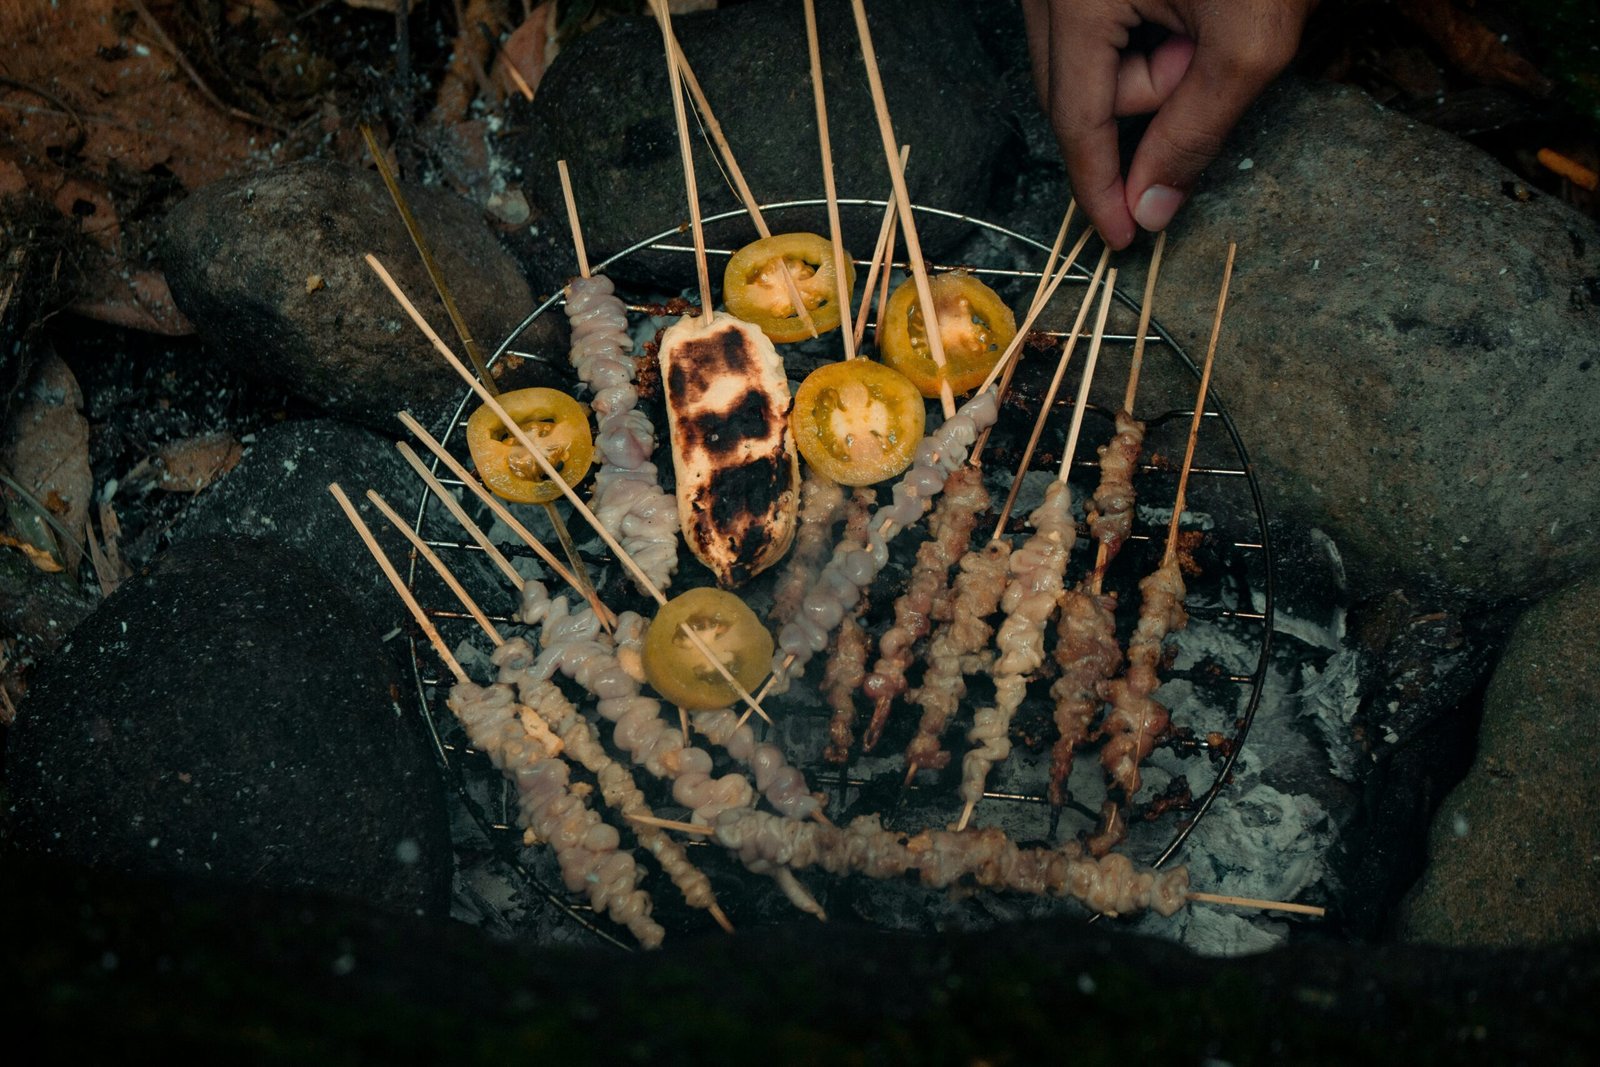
(728, 402)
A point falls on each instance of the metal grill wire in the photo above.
(1251, 605)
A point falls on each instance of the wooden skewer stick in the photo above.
(494, 504)
(671, 824)
(664, 19)
(1144, 323)
(1015, 347)
(519, 81)
(536, 450)
(919, 268)
(1199, 411)
(1103, 552)
(1264, 905)
(737, 176)
(1088, 377)
(888, 269)
(1035, 308)
(882, 256)
(438, 566)
(448, 499)
(1050, 394)
(421, 617)
(835, 233)
(572, 218)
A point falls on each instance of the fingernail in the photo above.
(1157, 206)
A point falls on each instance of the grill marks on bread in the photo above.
(737, 474)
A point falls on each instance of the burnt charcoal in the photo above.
(231, 715)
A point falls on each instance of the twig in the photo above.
(199, 83)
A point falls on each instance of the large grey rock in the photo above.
(1515, 851)
(230, 716)
(605, 107)
(270, 269)
(1412, 352)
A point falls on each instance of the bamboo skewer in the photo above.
(1252, 902)
(1082, 403)
(1034, 307)
(572, 218)
(741, 187)
(835, 236)
(494, 504)
(1199, 410)
(537, 452)
(1050, 394)
(438, 566)
(453, 505)
(474, 353)
(672, 824)
(882, 256)
(664, 20)
(1135, 365)
(919, 268)
(421, 617)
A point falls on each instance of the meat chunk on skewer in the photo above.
(1111, 511)
(1137, 720)
(1088, 654)
(951, 526)
(821, 502)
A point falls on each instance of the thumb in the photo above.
(1190, 128)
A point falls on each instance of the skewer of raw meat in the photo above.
(587, 850)
(847, 663)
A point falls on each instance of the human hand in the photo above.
(1199, 81)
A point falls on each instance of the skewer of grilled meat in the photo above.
(1035, 577)
(951, 527)
(942, 858)
(847, 666)
(959, 647)
(1136, 719)
(1111, 510)
(1088, 654)
(821, 501)
(738, 474)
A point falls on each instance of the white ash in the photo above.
(1329, 698)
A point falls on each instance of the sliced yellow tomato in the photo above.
(754, 290)
(974, 323)
(678, 670)
(857, 421)
(555, 421)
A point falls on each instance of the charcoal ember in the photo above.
(230, 715)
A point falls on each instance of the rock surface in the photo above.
(605, 107)
(279, 493)
(1515, 852)
(228, 716)
(1412, 352)
(270, 269)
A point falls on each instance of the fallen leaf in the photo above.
(190, 465)
(529, 50)
(1473, 47)
(45, 449)
(36, 555)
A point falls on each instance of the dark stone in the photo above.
(279, 492)
(1400, 350)
(606, 108)
(231, 715)
(37, 608)
(263, 978)
(243, 257)
(1514, 856)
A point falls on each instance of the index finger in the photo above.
(1084, 60)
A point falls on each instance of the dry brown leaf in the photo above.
(529, 50)
(1473, 47)
(36, 555)
(45, 449)
(190, 465)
